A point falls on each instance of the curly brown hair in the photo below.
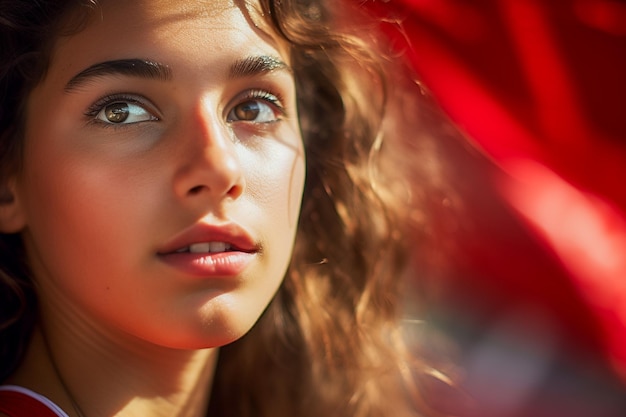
(330, 341)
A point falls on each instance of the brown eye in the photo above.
(258, 107)
(116, 112)
(247, 111)
(123, 112)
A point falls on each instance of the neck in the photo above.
(90, 373)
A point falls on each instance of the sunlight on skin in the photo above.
(172, 137)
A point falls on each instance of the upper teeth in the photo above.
(206, 247)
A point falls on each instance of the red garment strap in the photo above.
(17, 404)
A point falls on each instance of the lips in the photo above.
(204, 237)
(207, 250)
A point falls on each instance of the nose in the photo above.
(209, 165)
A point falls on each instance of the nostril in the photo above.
(235, 191)
(196, 190)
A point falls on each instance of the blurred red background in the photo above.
(539, 89)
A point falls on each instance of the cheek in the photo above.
(296, 187)
(277, 184)
(82, 194)
(77, 205)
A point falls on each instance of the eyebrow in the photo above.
(241, 68)
(256, 65)
(132, 67)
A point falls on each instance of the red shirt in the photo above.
(21, 402)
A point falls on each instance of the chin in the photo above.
(213, 331)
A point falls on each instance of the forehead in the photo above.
(115, 28)
(155, 11)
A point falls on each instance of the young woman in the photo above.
(154, 209)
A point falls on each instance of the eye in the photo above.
(124, 112)
(119, 110)
(257, 107)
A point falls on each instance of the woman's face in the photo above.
(163, 172)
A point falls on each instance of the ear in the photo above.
(11, 216)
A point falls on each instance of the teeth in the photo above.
(199, 247)
(217, 247)
(208, 247)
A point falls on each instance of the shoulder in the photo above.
(17, 401)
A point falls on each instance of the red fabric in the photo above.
(17, 404)
(539, 87)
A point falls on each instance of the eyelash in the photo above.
(94, 109)
(92, 112)
(275, 99)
